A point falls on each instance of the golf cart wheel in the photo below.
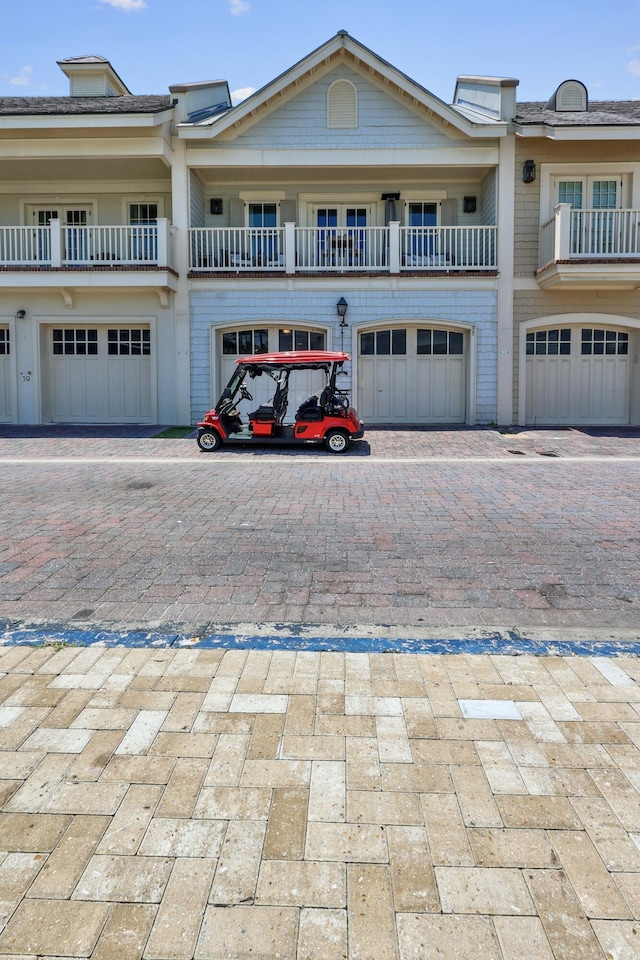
(209, 440)
(336, 441)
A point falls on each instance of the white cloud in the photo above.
(127, 5)
(237, 96)
(633, 67)
(236, 7)
(23, 79)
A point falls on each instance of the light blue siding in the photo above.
(266, 307)
(383, 121)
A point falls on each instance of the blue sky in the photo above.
(154, 43)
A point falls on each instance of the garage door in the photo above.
(577, 375)
(242, 343)
(100, 374)
(5, 375)
(412, 375)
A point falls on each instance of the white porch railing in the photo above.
(25, 246)
(342, 248)
(69, 246)
(390, 249)
(449, 248)
(590, 234)
(237, 248)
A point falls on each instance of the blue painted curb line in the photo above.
(507, 643)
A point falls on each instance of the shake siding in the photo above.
(383, 121)
(196, 200)
(264, 307)
(487, 200)
(534, 304)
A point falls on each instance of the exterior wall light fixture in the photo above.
(528, 171)
(21, 314)
(341, 307)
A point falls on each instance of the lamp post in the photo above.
(342, 307)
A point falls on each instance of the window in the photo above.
(5, 346)
(129, 343)
(440, 342)
(143, 214)
(342, 105)
(77, 342)
(263, 215)
(548, 343)
(245, 342)
(604, 342)
(301, 339)
(383, 343)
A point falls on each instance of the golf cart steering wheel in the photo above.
(245, 393)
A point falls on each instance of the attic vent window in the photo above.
(342, 105)
(570, 96)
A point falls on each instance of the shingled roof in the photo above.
(72, 106)
(602, 113)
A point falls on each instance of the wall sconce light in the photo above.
(21, 314)
(341, 307)
(528, 171)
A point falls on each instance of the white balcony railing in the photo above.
(293, 249)
(449, 248)
(25, 246)
(63, 246)
(590, 234)
(237, 248)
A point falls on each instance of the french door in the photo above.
(342, 238)
(595, 224)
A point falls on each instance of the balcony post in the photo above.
(290, 247)
(394, 246)
(55, 234)
(563, 231)
(162, 250)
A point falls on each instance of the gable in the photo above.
(300, 121)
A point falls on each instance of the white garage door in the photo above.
(5, 375)
(100, 374)
(412, 375)
(243, 343)
(577, 375)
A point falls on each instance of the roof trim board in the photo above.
(317, 63)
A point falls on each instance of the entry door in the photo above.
(593, 231)
(5, 375)
(341, 235)
(144, 238)
(577, 375)
(74, 220)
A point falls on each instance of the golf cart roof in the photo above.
(294, 359)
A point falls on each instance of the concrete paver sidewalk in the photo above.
(210, 804)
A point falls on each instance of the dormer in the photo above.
(490, 97)
(197, 102)
(92, 76)
(571, 96)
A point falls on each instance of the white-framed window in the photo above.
(342, 105)
(261, 214)
(590, 192)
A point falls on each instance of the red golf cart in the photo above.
(326, 417)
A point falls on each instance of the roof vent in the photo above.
(570, 96)
(342, 105)
(92, 76)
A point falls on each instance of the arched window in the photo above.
(342, 105)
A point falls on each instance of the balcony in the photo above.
(343, 250)
(590, 249)
(59, 255)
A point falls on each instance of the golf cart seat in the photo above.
(309, 410)
(273, 412)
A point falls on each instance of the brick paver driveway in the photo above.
(416, 529)
(212, 804)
